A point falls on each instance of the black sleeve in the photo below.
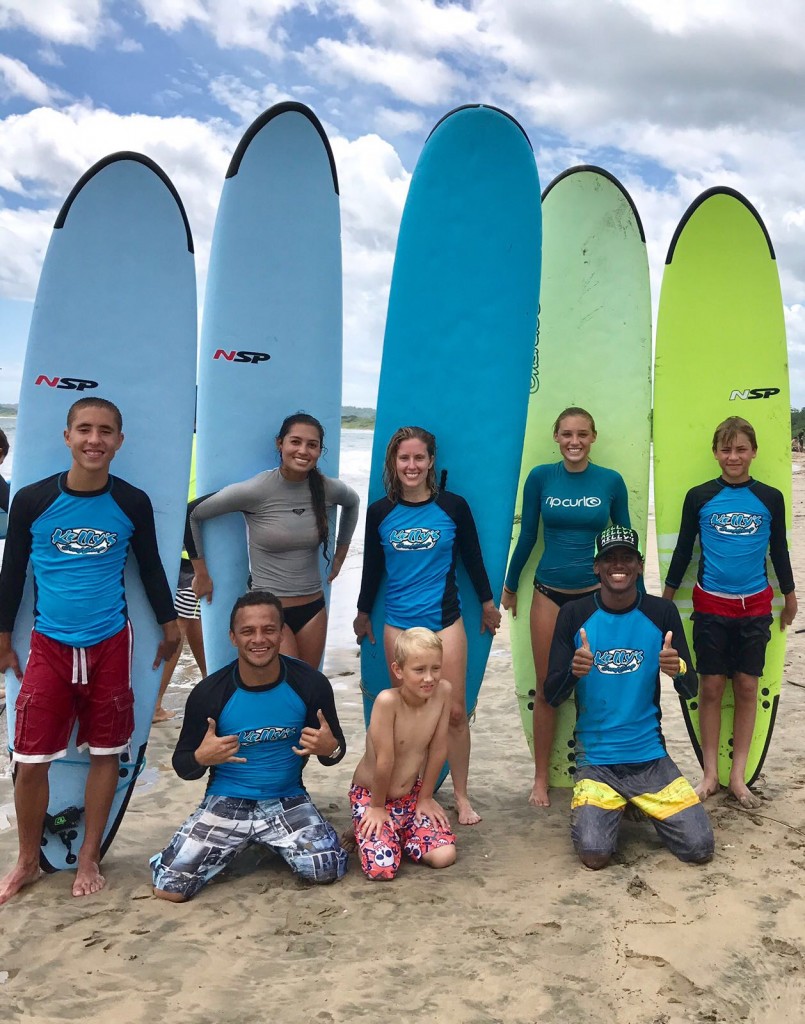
(189, 542)
(687, 685)
(29, 503)
(137, 506)
(561, 682)
(5, 491)
(688, 531)
(374, 561)
(206, 700)
(468, 544)
(778, 543)
(315, 690)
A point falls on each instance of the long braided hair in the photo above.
(315, 478)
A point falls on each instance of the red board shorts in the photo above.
(381, 856)
(62, 683)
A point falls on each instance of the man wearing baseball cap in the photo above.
(610, 647)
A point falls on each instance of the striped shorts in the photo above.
(657, 788)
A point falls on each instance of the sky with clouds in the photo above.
(671, 98)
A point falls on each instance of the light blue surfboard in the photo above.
(271, 334)
(114, 317)
(459, 340)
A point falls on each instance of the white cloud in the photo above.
(76, 22)
(245, 100)
(17, 80)
(399, 122)
(251, 24)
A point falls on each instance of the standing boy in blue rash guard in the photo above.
(253, 725)
(610, 647)
(76, 529)
(738, 520)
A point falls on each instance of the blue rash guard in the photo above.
(417, 544)
(268, 721)
(737, 524)
(574, 507)
(78, 543)
(618, 701)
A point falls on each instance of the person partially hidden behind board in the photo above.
(738, 520)
(253, 724)
(610, 647)
(76, 529)
(393, 809)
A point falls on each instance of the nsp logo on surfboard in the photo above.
(236, 356)
(67, 383)
(753, 393)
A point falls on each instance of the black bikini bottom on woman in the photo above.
(558, 597)
(299, 615)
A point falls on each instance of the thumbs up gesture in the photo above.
(583, 658)
(217, 749)
(319, 741)
(669, 656)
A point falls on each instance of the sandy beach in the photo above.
(517, 932)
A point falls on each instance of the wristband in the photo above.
(509, 590)
(683, 669)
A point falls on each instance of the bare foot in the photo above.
(20, 876)
(746, 798)
(466, 815)
(163, 715)
(539, 795)
(88, 878)
(707, 787)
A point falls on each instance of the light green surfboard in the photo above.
(721, 351)
(593, 350)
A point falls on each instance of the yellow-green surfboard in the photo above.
(593, 350)
(721, 351)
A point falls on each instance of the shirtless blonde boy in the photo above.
(393, 809)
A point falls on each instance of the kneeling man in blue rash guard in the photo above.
(610, 647)
(253, 724)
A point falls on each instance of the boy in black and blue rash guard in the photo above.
(610, 648)
(253, 725)
(738, 521)
(76, 529)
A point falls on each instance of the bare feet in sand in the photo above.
(20, 876)
(466, 815)
(707, 787)
(539, 795)
(163, 715)
(743, 794)
(88, 878)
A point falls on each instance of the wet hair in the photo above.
(416, 639)
(315, 479)
(727, 431)
(573, 410)
(390, 479)
(98, 403)
(4, 445)
(253, 598)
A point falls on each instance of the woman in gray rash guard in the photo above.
(286, 517)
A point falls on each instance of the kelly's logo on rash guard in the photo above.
(83, 541)
(740, 524)
(417, 538)
(588, 501)
(268, 734)
(617, 662)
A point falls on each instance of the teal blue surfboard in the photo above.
(115, 316)
(460, 339)
(271, 334)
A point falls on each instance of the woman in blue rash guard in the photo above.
(575, 500)
(414, 536)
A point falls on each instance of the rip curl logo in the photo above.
(268, 734)
(415, 539)
(618, 662)
(588, 501)
(736, 524)
(83, 541)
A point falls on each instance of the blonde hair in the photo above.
(415, 639)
